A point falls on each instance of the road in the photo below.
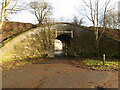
(58, 74)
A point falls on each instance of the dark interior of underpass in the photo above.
(61, 45)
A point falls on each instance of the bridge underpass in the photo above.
(39, 42)
(64, 42)
(65, 36)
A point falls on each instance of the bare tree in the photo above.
(9, 7)
(75, 20)
(42, 10)
(4, 13)
(106, 12)
(111, 20)
(81, 21)
(93, 10)
(78, 21)
(92, 14)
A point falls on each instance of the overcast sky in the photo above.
(61, 9)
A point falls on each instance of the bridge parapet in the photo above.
(63, 29)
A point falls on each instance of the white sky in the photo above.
(64, 8)
(61, 9)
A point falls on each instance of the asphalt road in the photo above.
(57, 74)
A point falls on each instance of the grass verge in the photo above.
(97, 64)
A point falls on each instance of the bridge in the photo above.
(39, 42)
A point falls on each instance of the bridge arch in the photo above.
(64, 38)
(66, 43)
(39, 42)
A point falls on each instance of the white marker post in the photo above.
(103, 59)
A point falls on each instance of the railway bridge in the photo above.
(39, 42)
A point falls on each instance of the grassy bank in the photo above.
(97, 64)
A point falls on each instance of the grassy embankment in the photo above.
(96, 64)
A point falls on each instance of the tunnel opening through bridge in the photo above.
(61, 45)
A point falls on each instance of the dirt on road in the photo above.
(57, 74)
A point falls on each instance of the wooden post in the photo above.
(103, 59)
(72, 33)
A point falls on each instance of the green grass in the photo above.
(98, 64)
